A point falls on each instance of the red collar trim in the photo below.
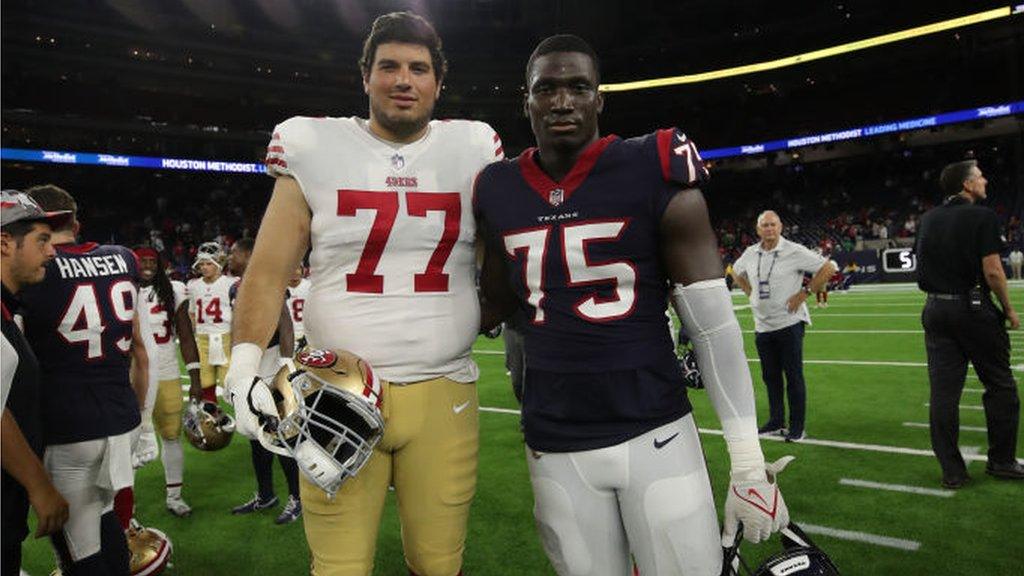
(7, 313)
(78, 248)
(543, 184)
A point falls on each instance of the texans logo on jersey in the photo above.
(317, 358)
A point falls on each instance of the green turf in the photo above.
(974, 532)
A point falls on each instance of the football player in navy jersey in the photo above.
(94, 352)
(279, 351)
(589, 236)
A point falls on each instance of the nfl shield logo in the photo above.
(397, 161)
(556, 196)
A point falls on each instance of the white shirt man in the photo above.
(1016, 260)
(771, 273)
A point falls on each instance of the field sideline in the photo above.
(865, 483)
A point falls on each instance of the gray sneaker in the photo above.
(292, 511)
(255, 505)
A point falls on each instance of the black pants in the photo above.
(262, 464)
(954, 335)
(783, 351)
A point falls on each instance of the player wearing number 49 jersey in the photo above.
(385, 205)
(595, 234)
(84, 326)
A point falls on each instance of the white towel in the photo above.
(217, 356)
(116, 471)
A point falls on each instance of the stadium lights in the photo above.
(810, 56)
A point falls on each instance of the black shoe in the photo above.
(771, 429)
(255, 505)
(1011, 471)
(793, 436)
(292, 511)
(955, 482)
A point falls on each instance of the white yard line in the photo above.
(962, 407)
(884, 541)
(818, 314)
(897, 488)
(499, 410)
(858, 363)
(962, 428)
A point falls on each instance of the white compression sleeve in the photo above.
(705, 309)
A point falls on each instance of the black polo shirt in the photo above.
(951, 241)
(23, 402)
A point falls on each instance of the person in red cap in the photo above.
(26, 246)
(166, 303)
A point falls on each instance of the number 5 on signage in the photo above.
(531, 247)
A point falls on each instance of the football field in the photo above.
(864, 484)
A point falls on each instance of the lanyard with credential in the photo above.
(763, 286)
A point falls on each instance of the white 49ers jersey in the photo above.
(392, 267)
(211, 304)
(296, 303)
(161, 322)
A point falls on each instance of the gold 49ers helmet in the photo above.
(150, 550)
(329, 417)
(207, 426)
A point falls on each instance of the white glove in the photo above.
(754, 499)
(248, 394)
(146, 449)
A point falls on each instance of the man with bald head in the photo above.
(771, 273)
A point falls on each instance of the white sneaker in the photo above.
(177, 506)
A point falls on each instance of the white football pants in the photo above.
(649, 498)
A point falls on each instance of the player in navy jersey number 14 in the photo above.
(589, 237)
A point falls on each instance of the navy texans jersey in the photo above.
(275, 339)
(584, 259)
(79, 323)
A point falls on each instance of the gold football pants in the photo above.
(167, 409)
(210, 375)
(429, 454)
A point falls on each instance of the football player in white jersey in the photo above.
(166, 304)
(210, 307)
(298, 291)
(385, 205)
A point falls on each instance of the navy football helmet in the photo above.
(800, 557)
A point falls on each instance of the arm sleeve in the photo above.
(705, 308)
(279, 152)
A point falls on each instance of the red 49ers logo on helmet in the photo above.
(317, 358)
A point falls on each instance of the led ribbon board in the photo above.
(121, 161)
(96, 159)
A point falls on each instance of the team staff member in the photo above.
(958, 265)
(25, 246)
(385, 204)
(771, 274)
